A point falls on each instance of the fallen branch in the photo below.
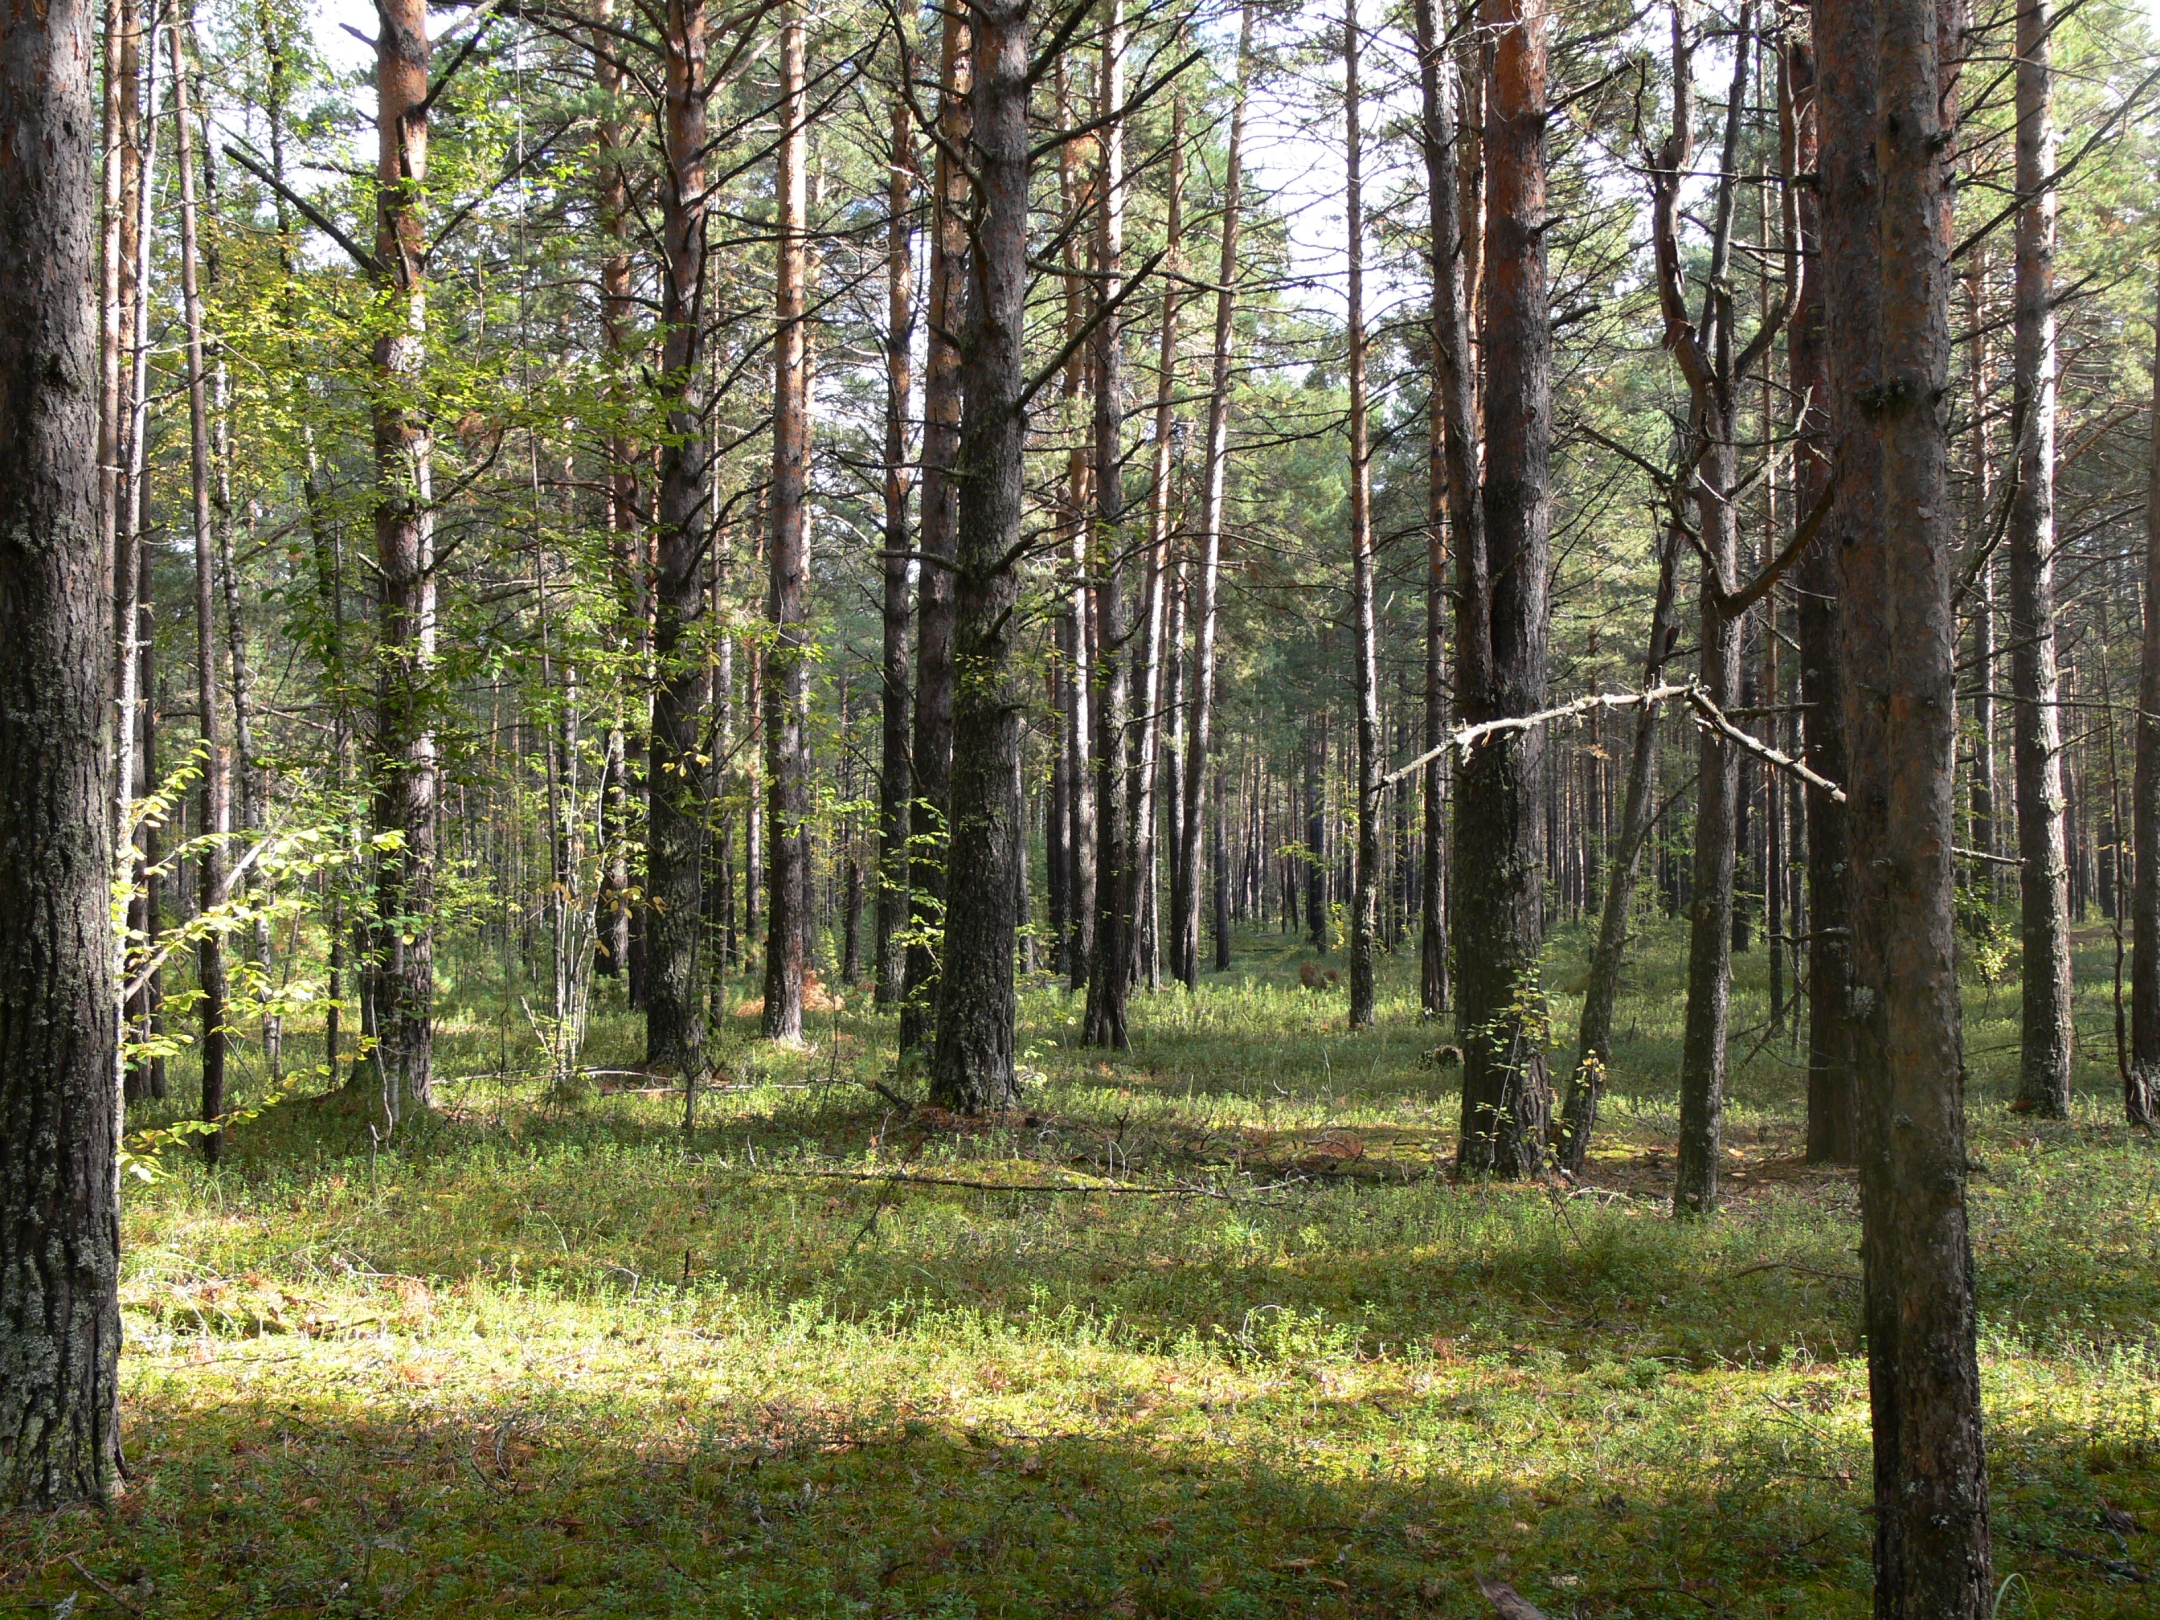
(1699, 701)
(1511, 1604)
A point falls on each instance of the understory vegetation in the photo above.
(1233, 1343)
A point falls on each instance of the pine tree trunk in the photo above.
(787, 777)
(972, 1064)
(895, 775)
(1886, 263)
(1499, 861)
(59, 1190)
(2141, 1086)
(1185, 881)
(939, 527)
(1365, 892)
(2044, 895)
(402, 974)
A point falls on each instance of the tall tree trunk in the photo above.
(939, 522)
(787, 668)
(2044, 884)
(1452, 501)
(1185, 881)
(1499, 862)
(1316, 906)
(59, 1189)
(895, 774)
(1833, 1103)
(1109, 973)
(972, 1064)
(1365, 892)
(674, 840)
(402, 974)
(2141, 1085)
(1886, 258)
(217, 772)
(1982, 501)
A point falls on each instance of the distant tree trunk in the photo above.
(939, 522)
(2141, 1086)
(1578, 1122)
(1499, 862)
(675, 844)
(787, 672)
(972, 1064)
(1076, 629)
(217, 767)
(1316, 907)
(2044, 884)
(1365, 894)
(1886, 260)
(1833, 1104)
(895, 775)
(1222, 882)
(1185, 881)
(402, 974)
(1104, 1020)
(59, 1189)
(1982, 502)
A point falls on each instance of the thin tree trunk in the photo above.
(1076, 628)
(2049, 1035)
(1185, 881)
(1365, 896)
(947, 306)
(1886, 259)
(403, 970)
(1499, 863)
(1104, 1020)
(217, 775)
(787, 779)
(675, 844)
(2141, 1084)
(59, 1190)
(895, 773)
(972, 1064)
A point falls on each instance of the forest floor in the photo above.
(1210, 1332)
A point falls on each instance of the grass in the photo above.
(551, 1356)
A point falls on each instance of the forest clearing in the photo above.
(1098, 807)
(552, 1357)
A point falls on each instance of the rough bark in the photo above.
(674, 843)
(972, 1063)
(787, 662)
(1885, 256)
(1499, 863)
(402, 972)
(895, 771)
(59, 1106)
(2044, 875)
(1185, 881)
(1847, 179)
(939, 542)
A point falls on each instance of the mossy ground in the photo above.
(547, 1355)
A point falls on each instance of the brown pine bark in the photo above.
(217, 767)
(1500, 643)
(1185, 880)
(787, 661)
(972, 1064)
(1365, 892)
(402, 974)
(2141, 1084)
(1886, 263)
(59, 1107)
(895, 773)
(939, 523)
(2049, 1035)
(674, 844)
